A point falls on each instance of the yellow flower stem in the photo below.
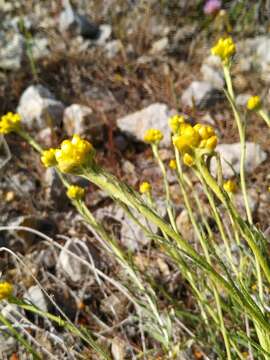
(244, 228)
(29, 139)
(264, 116)
(218, 222)
(166, 186)
(86, 336)
(125, 194)
(241, 131)
(206, 253)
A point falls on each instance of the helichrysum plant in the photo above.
(234, 320)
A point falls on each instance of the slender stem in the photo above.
(166, 186)
(241, 131)
(265, 116)
(128, 196)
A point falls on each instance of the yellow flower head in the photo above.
(75, 192)
(254, 103)
(188, 159)
(153, 136)
(225, 49)
(188, 138)
(145, 187)
(6, 290)
(230, 186)
(172, 164)
(9, 122)
(73, 154)
(48, 158)
(175, 121)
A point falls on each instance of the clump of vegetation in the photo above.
(230, 315)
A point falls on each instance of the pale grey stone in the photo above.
(230, 158)
(154, 116)
(39, 108)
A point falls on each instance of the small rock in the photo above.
(38, 108)
(11, 312)
(118, 348)
(79, 119)
(200, 94)
(159, 46)
(104, 35)
(244, 64)
(35, 296)
(40, 48)
(242, 99)
(263, 52)
(213, 61)
(8, 345)
(185, 227)
(71, 266)
(76, 24)
(231, 153)
(115, 304)
(253, 200)
(112, 48)
(212, 76)
(11, 51)
(153, 116)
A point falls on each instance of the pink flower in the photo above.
(212, 6)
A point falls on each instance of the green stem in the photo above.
(166, 186)
(264, 116)
(241, 131)
(129, 197)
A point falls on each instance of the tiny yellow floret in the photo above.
(75, 192)
(48, 158)
(230, 186)
(175, 121)
(188, 159)
(73, 154)
(153, 136)
(254, 103)
(145, 187)
(9, 122)
(211, 143)
(6, 290)
(172, 164)
(225, 49)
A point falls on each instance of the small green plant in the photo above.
(234, 317)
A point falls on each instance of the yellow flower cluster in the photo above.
(145, 187)
(153, 136)
(254, 103)
(189, 138)
(175, 121)
(9, 122)
(48, 158)
(75, 192)
(70, 156)
(230, 186)
(225, 49)
(6, 290)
